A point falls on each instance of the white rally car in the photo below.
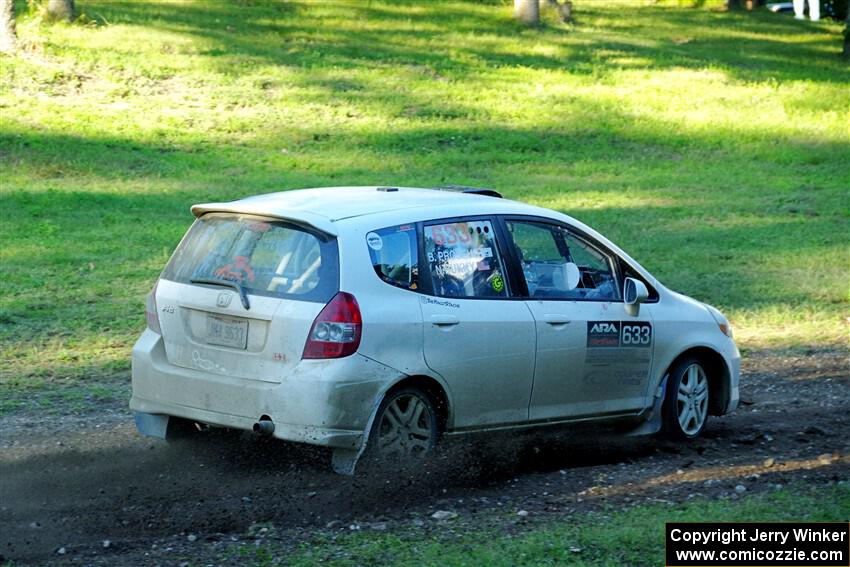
(383, 318)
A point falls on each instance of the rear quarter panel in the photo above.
(392, 319)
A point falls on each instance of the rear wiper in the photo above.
(226, 283)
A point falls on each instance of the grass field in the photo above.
(712, 146)
(614, 537)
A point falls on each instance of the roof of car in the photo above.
(322, 207)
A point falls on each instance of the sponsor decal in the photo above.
(603, 334)
(631, 375)
(440, 302)
(636, 335)
(374, 240)
(498, 284)
(608, 356)
(619, 334)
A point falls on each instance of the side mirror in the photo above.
(634, 293)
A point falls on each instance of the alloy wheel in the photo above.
(406, 428)
(692, 400)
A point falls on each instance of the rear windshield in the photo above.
(267, 257)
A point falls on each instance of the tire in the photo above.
(685, 410)
(406, 427)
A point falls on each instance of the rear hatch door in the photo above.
(240, 294)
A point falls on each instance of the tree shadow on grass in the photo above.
(577, 129)
(457, 39)
(149, 222)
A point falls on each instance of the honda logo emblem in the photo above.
(224, 299)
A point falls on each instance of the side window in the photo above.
(546, 264)
(557, 264)
(598, 280)
(395, 255)
(464, 261)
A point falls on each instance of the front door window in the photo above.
(560, 265)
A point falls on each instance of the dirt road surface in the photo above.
(88, 490)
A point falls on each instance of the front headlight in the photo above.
(721, 320)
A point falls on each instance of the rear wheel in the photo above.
(686, 400)
(406, 426)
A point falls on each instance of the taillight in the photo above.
(151, 314)
(336, 331)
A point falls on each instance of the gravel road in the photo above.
(88, 490)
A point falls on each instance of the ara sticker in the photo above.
(374, 241)
(498, 284)
(603, 334)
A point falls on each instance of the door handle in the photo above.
(444, 320)
(555, 319)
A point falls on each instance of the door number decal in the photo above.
(616, 334)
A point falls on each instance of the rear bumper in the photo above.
(322, 402)
(325, 437)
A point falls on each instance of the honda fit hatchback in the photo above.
(384, 318)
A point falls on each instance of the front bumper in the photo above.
(733, 361)
(321, 402)
(734, 382)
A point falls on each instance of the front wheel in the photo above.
(686, 400)
(406, 427)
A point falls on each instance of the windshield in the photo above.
(266, 257)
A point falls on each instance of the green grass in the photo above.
(712, 146)
(68, 397)
(616, 537)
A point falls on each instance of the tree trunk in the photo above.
(7, 26)
(564, 9)
(527, 11)
(61, 10)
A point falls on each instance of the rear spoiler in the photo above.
(301, 218)
(469, 190)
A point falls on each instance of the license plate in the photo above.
(226, 331)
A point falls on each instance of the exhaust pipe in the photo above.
(264, 427)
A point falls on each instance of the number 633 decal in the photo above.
(636, 334)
